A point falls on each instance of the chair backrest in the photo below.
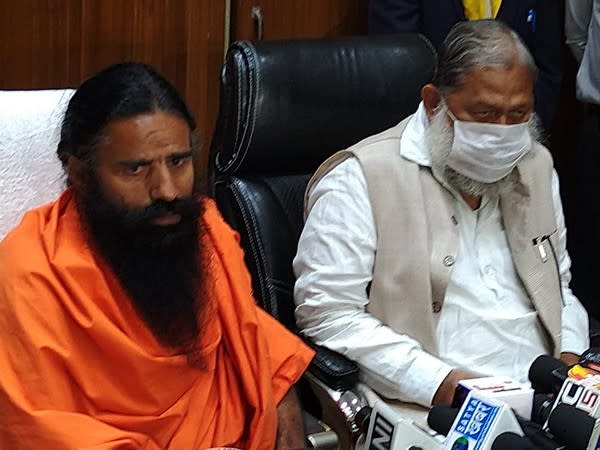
(285, 107)
(30, 172)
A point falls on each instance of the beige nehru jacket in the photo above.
(417, 236)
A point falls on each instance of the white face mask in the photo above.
(487, 152)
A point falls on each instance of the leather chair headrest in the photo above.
(287, 105)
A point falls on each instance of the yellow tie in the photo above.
(481, 9)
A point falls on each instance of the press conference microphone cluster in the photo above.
(504, 414)
(511, 432)
(486, 420)
(477, 425)
(572, 412)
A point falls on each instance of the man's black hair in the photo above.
(120, 91)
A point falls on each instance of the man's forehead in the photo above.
(127, 137)
(495, 80)
(147, 125)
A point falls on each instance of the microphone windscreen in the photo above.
(572, 426)
(512, 441)
(441, 418)
(540, 373)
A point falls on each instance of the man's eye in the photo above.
(134, 169)
(519, 113)
(484, 114)
(179, 161)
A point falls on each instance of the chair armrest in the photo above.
(339, 410)
(333, 369)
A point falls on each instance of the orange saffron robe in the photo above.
(80, 370)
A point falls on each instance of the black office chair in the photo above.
(285, 107)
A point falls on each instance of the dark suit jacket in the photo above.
(434, 18)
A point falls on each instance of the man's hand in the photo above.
(290, 428)
(445, 392)
(569, 358)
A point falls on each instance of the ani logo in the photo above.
(462, 443)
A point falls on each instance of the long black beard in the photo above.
(159, 266)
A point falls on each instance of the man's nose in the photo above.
(162, 184)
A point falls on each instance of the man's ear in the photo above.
(77, 171)
(431, 98)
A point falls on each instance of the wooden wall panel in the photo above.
(285, 19)
(58, 43)
(39, 43)
(205, 28)
(152, 31)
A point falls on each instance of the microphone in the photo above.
(390, 430)
(441, 418)
(513, 441)
(574, 427)
(547, 374)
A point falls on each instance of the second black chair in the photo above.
(285, 107)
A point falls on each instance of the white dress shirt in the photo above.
(487, 324)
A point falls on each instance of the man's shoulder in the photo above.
(27, 271)
(213, 221)
(30, 247)
(544, 153)
(23, 244)
(219, 238)
(386, 139)
(540, 160)
(375, 149)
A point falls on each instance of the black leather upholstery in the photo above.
(285, 107)
(259, 208)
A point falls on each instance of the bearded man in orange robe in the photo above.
(126, 314)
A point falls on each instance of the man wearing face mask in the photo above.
(435, 250)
